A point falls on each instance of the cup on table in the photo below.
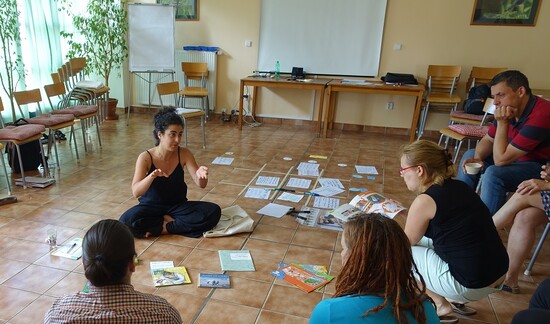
(52, 238)
(472, 167)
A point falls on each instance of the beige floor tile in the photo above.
(187, 305)
(244, 292)
(291, 300)
(222, 312)
(273, 233)
(14, 300)
(34, 313)
(36, 279)
(269, 317)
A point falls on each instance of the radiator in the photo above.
(145, 87)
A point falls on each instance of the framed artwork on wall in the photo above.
(505, 12)
(185, 9)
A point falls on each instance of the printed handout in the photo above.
(223, 160)
(366, 169)
(299, 183)
(326, 203)
(267, 181)
(274, 210)
(290, 197)
(327, 191)
(330, 182)
(258, 193)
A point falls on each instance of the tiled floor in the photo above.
(98, 186)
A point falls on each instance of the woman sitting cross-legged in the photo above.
(159, 184)
(526, 210)
(377, 282)
(456, 246)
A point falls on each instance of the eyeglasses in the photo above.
(402, 170)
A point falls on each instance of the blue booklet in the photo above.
(214, 280)
(236, 260)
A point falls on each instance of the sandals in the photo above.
(462, 309)
(59, 136)
(448, 319)
(513, 290)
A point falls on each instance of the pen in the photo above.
(311, 193)
(298, 216)
(283, 189)
(72, 247)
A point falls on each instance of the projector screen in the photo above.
(151, 42)
(331, 37)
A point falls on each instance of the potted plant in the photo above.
(100, 37)
(13, 70)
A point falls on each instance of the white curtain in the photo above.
(42, 47)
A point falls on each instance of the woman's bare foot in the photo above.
(167, 219)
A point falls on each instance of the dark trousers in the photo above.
(191, 218)
(539, 306)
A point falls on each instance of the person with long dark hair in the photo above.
(160, 186)
(108, 253)
(377, 283)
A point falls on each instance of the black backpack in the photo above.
(476, 99)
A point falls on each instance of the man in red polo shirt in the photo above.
(517, 144)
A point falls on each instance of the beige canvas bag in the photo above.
(234, 220)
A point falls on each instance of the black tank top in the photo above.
(166, 191)
(465, 236)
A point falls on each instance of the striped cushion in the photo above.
(470, 130)
(20, 133)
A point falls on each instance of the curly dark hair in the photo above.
(164, 118)
(380, 262)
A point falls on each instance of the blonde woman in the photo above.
(456, 246)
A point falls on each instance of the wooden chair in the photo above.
(19, 135)
(478, 76)
(195, 74)
(462, 132)
(440, 86)
(83, 113)
(173, 88)
(50, 121)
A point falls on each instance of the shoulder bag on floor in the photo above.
(234, 220)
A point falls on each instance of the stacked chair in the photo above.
(441, 86)
(72, 74)
(82, 112)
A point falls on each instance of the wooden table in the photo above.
(336, 86)
(282, 82)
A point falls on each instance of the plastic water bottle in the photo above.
(277, 69)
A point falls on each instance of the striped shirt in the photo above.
(112, 304)
(531, 133)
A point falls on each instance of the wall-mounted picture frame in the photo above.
(505, 12)
(185, 9)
